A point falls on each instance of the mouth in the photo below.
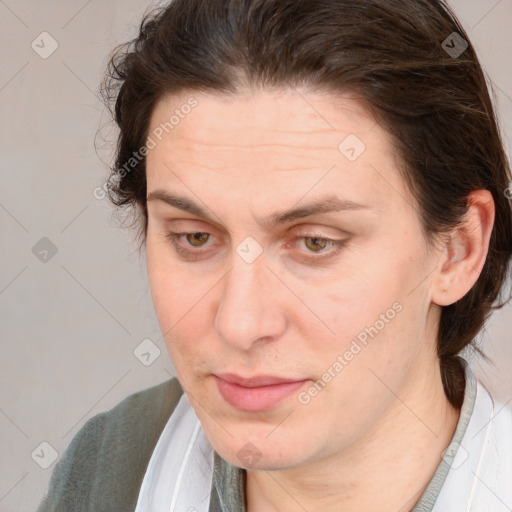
(258, 393)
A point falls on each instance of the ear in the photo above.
(465, 251)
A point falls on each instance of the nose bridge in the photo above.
(248, 309)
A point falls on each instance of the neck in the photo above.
(388, 469)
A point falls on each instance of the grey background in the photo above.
(70, 325)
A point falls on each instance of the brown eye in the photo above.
(197, 239)
(316, 244)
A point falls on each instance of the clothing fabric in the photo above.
(150, 454)
(103, 467)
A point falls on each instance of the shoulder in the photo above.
(499, 435)
(496, 414)
(105, 462)
(491, 440)
(153, 404)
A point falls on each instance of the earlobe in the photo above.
(465, 251)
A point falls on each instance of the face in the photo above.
(299, 256)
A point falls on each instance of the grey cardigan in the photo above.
(103, 467)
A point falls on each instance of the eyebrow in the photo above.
(327, 204)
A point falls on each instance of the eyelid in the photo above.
(300, 232)
(306, 229)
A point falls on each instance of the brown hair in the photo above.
(394, 54)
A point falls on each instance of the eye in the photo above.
(196, 239)
(319, 249)
(316, 245)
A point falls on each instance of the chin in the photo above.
(260, 456)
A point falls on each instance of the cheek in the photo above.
(355, 298)
(181, 305)
(377, 303)
(169, 288)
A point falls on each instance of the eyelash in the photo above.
(337, 245)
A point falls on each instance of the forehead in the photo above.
(277, 144)
(295, 115)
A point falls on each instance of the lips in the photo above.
(256, 393)
(253, 382)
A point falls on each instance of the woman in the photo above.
(320, 190)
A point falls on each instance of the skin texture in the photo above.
(372, 438)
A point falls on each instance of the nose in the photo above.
(250, 310)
